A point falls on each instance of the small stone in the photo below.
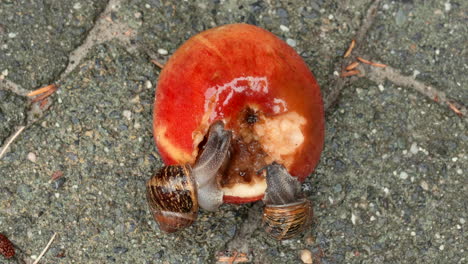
(148, 84)
(127, 114)
(400, 17)
(386, 7)
(306, 256)
(330, 16)
(460, 171)
(310, 240)
(414, 148)
(120, 250)
(12, 35)
(284, 28)
(77, 6)
(403, 175)
(291, 42)
(32, 157)
(137, 14)
(5, 72)
(441, 247)
(57, 184)
(424, 185)
(413, 233)
(162, 51)
(462, 221)
(381, 88)
(448, 6)
(353, 218)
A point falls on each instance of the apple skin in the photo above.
(243, 65)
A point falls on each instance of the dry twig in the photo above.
(332, 97)
(10, 140)
(379, 75)
(45, 249)
(350, 49)
(157, 63)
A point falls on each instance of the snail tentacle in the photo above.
(214, 154)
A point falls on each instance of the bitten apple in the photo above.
(259, 87)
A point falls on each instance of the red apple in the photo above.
(262, 90)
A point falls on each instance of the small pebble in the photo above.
(57, 184)
(291, 42)
(11, 35)
(306, 256)
(381, 88)
(403, 175)
(448, 6)
(127, 114)
(414, 148)
(148, 84)
(77, 6)
(310, 240)
(353, 218)
(120, 250)
(284, 28)
(162, 51)
(32, 157)
(424, 185)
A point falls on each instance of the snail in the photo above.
(175, 192)
(286, 213)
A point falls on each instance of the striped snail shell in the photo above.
(175, 193)
(286, 213)
(172, 197)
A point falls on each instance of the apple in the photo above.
(263, 92)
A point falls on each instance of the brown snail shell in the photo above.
(288, 220)
(172, 197)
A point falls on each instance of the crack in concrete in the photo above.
(104, 29)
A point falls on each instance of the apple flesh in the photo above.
(259, 87)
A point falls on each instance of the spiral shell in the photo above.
(172, 197)
(288, 220)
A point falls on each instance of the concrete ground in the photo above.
(391, 186)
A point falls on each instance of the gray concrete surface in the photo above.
(391, 186)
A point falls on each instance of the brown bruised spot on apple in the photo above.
(262, 91)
